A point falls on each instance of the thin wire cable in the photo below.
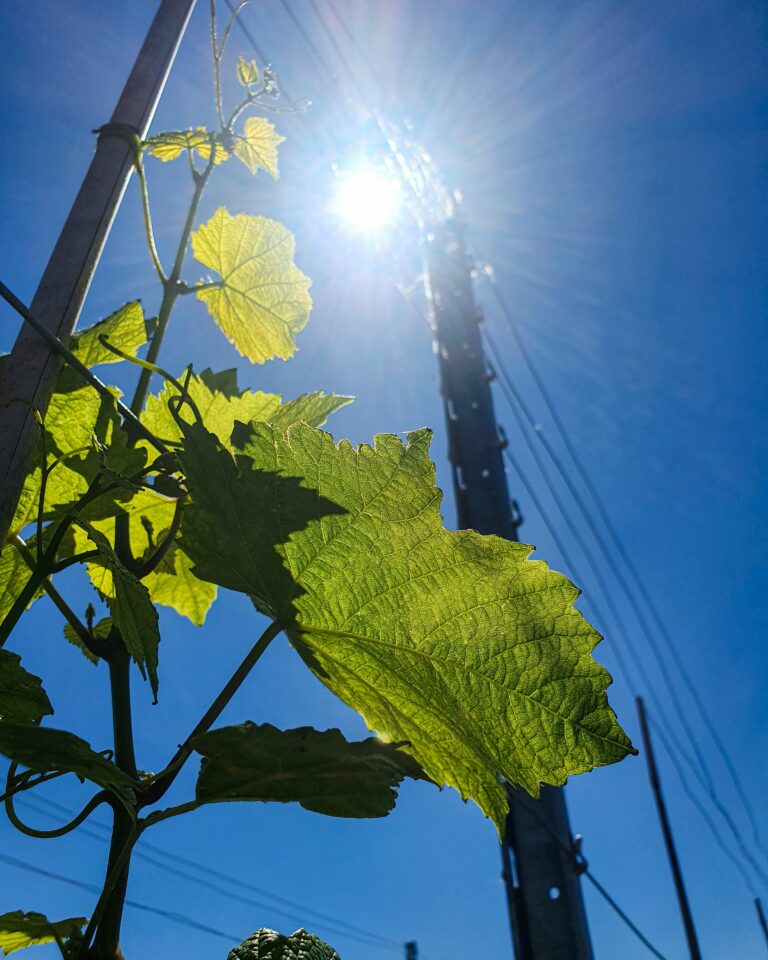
(179, 918)
(629, 564)
(401, 166)
(660, 733)
(352, 39)
(295, 106)
(333, 924)
(584, 870)
(700, 770)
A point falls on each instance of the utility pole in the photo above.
(544, 894)
(411, 950)
(666, 829)
(30, 372)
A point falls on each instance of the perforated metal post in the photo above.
(29, 374)
(545, 902)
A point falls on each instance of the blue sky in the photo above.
(611, 157)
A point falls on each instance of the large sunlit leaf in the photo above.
(133, 612)
(44, 750)
(19, 930)
(257, 145)
(168, 146)
(266, 944)
(450, 641)
(320, 770)
(22, 698)
(263, 300)
(125, 329)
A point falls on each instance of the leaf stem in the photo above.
(148, 229)
(83, 633)
(159, 815)
(163, 781)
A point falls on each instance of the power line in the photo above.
(627, 560)
(174, 917)
(334, 925)
(584, 870)
(701, 771)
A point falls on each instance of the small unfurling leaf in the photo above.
(247, 72)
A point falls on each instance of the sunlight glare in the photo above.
(368, 199)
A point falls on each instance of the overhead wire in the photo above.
(632, 569)
(156, 856)
(582, 868)
(701, 769)
(171, 915)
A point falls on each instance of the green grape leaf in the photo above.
(19, 930)
(44, 749)
(257, 146)
(168, 146)
(247, 72)
(263, 300)
(312, 408)
(228, 512)
(14, 574)
(173, 584)
(320, 770)
(22, 698)
(82, 435)
(266, 944)
(220, 408)
(453, 642)
(101, 631)
(225, 381)
(125, 329)
(131, 607)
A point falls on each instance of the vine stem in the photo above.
(43, 568)
(163, 781)
(107, 916)
(83, 633)
(146, 210)
(171, 288)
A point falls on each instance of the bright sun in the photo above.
(368, 199)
